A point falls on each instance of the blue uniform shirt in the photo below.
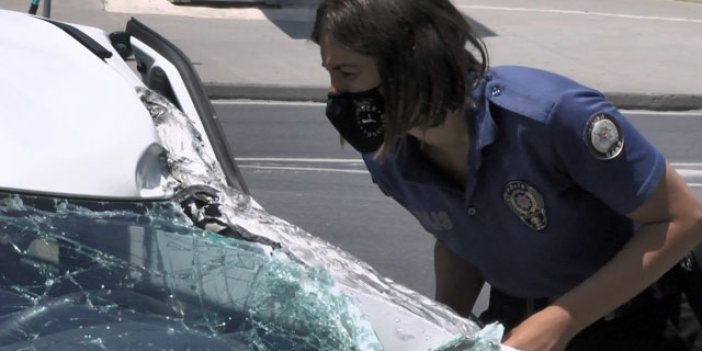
(553, 168)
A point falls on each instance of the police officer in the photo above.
(528, 180)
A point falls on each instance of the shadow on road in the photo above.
(295, 17)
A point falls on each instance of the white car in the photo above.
(126, 225)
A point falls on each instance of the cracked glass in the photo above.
(207, 269)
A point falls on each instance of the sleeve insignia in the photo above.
(603, 137)
(527, 203)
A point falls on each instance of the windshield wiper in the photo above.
(199, 203)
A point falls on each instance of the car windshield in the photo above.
(77, 273)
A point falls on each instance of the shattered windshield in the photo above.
(143, 275)
(76, 274)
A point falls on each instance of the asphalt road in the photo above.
(294, 165)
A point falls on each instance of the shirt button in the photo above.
(496, 91)
(471, 211)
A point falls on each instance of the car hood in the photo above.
(65, 139)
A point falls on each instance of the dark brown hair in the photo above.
(420, 49)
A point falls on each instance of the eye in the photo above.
(348, 75)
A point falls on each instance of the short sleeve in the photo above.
(378, 177)
(602, 152)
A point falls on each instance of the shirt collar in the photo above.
(483, 129)
(416, 167)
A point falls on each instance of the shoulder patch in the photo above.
(527, 203)
(603, 136)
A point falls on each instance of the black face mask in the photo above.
(359, 118)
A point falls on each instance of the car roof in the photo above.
(72, 122)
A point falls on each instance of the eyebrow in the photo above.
(340, 66)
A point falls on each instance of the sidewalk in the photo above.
(643, 54)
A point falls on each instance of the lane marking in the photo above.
(268, 102)
(306, 169)
(579, 12)
(690, 173)
(351, 171)
(662, 113)
(680, 167)
(358, 160)
(317, 160)
(693, 113)
(686, 164)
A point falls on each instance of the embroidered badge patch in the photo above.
(525, 201)
(604, 137)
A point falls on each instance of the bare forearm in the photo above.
(653, 250)
(671, 225)
(671, 228)
(458, 283)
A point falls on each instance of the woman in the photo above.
(528, 180)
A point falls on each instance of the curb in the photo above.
(625, 101)
(655, 101)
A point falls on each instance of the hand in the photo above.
(548, 330)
